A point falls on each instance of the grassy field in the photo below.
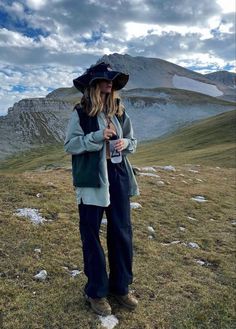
(174, 290)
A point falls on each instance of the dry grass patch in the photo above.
(173, 289)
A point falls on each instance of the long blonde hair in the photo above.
(93, 105)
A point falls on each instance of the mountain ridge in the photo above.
(154, 111)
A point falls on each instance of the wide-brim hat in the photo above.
(101, 71)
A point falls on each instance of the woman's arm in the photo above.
(76, 142)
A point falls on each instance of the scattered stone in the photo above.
(41, 276)
(184, 181)
(148, 169)
(233, 222)
(175, 242)
(104, 221)
(136, 170)
(150, 237)
(182, 175)
(191, 218)
(203, 262)
(169, 168)
(51, 184)
(73, 273)
(135, 205)
(38, 195)
(200, 262)
(199, 198)
(108, 322)
(37, 252)
(193, 245)
(193, 171)
(172, 177)
(67, 168)
(218, 168)
(212, 219)
(151, 229)
(160, 183)
(199, 180)
(32, 214)
(149, 174)
(169, 243)
(181, 228)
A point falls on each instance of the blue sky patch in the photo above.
(20, 25)
(19, 88)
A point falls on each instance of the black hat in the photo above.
(101, 71)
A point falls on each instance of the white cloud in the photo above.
(15, 39)
(36, 4)
(227, 6)
(43, 41)
(17, 7)
(37, 81)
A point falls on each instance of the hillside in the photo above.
(228, 78)
(209, 142)
(183, 233)
(183, 248)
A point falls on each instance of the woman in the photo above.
(102, 185)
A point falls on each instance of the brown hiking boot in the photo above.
(128, 300)
(99, 305)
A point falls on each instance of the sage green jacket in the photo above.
(76, 143)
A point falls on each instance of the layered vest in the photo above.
(85, 166)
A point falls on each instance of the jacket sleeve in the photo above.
(76, 142)
(128, 137)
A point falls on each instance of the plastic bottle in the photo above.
(116, 156)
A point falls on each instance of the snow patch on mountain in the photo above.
(194, 85)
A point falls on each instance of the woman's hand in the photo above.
(119, 145)
(108, 133)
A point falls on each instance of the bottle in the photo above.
(116, 156)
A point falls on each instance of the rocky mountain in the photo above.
(33, 122)
(225, 77)
(154, 72)
(154, 111)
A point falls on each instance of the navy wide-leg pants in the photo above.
(119, 238)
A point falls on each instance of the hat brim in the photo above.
(119, 80)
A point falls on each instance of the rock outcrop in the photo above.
(33, 122)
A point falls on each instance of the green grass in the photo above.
(174, 291)
(178, 95)
(44, 157)
(209, 142)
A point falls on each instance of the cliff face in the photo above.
(32, 122)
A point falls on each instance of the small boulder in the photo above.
(41, 276)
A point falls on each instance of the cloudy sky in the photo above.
(44, 44)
